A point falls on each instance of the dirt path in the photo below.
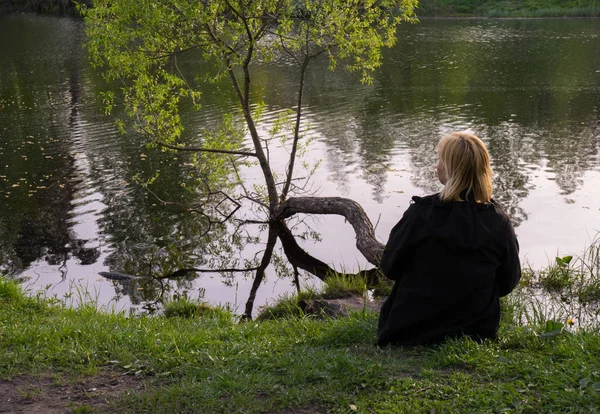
(57, 393)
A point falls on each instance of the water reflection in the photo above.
(69, 200)
(37, 175)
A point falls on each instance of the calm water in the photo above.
(69, 206)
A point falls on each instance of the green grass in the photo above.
(196, 359)
(510, 8)
(338, 286)
(567, 289)
(188, 308)
(286, 306)
(209, 364)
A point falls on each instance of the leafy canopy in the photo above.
(137, 43)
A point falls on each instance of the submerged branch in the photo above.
(176, 274)
(199, 149)
(186, 271)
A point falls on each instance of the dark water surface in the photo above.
(69, 206)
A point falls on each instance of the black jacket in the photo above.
(451, 261)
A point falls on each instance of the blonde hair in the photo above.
(466, 162)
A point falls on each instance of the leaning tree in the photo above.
(139, 44)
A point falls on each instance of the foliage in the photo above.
(558, 276)
(9, 291)
(141, 44)
(161, 55)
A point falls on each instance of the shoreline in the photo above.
(70, 10)
(483, 17)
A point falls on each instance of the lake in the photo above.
(71, 206)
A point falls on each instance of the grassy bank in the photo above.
(510, 8)
(202, 360)
(433, 8)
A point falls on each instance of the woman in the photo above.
(452, 255)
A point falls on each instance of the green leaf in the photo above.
(563, 261)
(584, 382)
(552, 329)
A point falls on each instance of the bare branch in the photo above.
(292, 160)
(264, 164)
(243, 222)
(155, 54)
(176, 274)
(227, 197)
(254, 200)
(221, 42)
(237, 175)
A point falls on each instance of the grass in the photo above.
(200, 360)
(337, 286)
(188, 308)
(546, 12)
(510, 8)
(286, 306)
(568, 289)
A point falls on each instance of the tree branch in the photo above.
(212, 150)
(366, 242)
(260, 154)
(292, 160)
(186, 271)
(176, 274)
(300, 259)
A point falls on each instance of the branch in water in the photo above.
(366, 242)
(200, 149)
(185, 272)
(175, 274)
(300, 259)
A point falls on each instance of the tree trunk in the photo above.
(260, 272)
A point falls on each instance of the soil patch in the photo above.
(58, 393)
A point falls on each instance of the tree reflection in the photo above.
(37, 168)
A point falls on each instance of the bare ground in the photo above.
(58, 393)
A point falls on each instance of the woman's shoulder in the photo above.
(424, 200)
(499, 211)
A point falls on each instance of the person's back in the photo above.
(451, 258)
